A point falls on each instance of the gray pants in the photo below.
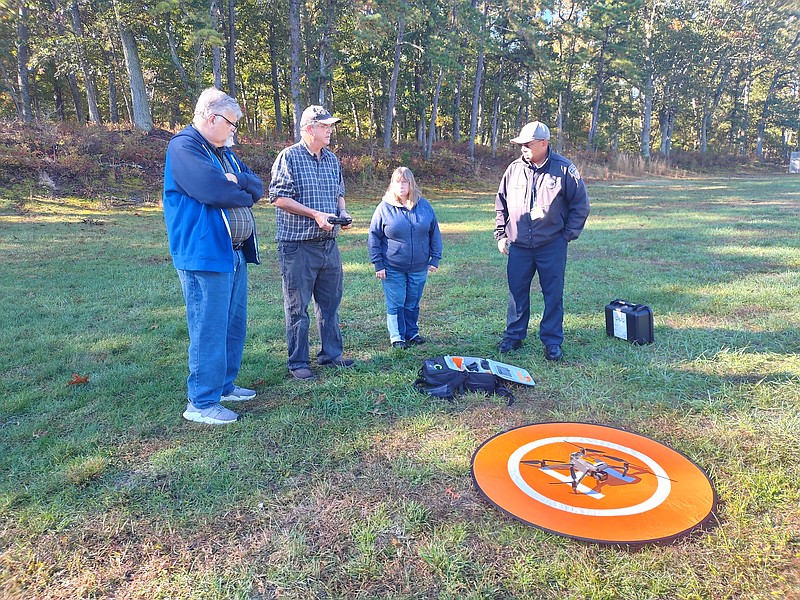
(311, 270)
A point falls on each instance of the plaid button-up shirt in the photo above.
(317, 184)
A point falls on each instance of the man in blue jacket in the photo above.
(208, 193)
(541, 206)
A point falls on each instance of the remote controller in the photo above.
(340, 220)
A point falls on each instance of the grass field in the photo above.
(356, 486)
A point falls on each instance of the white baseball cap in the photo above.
(317, 114)
(532, 131)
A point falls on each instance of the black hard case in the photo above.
(638, 322)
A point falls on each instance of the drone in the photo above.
(583, 462)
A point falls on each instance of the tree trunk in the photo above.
(421, 114)
(745, 124)
(140, 109)
(709, 109)
(230, 53)
(371, 108)
(434, 113)
(70, 75)
(590, 143)
(58, 93)
(663, 118)
(356, 121)
(495, 124)
(648, 116)
(568, 90)
(173, 54)
(75, 92)
(762, 123)
(457, 104)
(216, 51)
(11, 90)
(398, 46)
(324, 50)
(113, 103)
(667, 124)
(476, 91)
(294, 32)
(23, 54)
(88, 75)
(276, 92)
(560, 125)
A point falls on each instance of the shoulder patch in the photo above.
(573, 170)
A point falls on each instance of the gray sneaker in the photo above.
(238, 394)
(216, 414)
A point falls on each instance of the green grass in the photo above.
(356, 486)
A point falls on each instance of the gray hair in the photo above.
(213, 101)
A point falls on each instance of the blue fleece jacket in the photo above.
(406, 240)
(196, 194)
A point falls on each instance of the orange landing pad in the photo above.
(636, 490)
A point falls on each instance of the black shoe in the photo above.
(337, 362)
(508, 345)
(553, 352)
(302, 373)
(417, 340)
(400, 345)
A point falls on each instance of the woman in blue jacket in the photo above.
(404, 245)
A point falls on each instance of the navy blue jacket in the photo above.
(196, 194)
(404, 240)
(536, 205)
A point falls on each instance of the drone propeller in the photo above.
(596, 451)
(593, 450)
(608, 456)
(550, 462)
(646, 470)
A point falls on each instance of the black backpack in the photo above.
(438, 379)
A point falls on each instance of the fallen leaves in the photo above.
(78, 379)
(449, 491)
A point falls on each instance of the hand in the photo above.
(231, 177)
(381, 274)
(322, 220)
(432, 269)
(502, 245)
(345, 214)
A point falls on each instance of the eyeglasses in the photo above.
(530, 144)
(324, 126)
(234, 125)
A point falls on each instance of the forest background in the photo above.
(692, 83)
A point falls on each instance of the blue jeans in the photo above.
(311, 270)
(403, 293)
(216, 313)
(550, 261)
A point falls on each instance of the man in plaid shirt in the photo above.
(307, 188)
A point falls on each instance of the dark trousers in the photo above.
(311, 270)
(550, 261)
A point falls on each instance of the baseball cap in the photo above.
(532, 131)
(317, 114)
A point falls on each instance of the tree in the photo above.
(476, 90)
(294, 31)
(230, 51)
(609, 22)
(627, 75)
(83, 61)
(140, 106)
(23, 52)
